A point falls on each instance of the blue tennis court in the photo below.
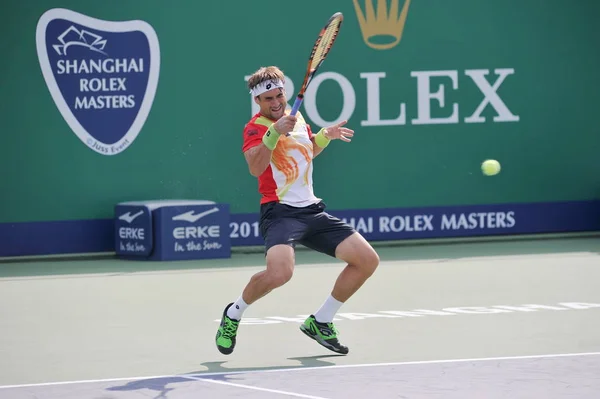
(487, 320)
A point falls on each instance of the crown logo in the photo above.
(383, 29)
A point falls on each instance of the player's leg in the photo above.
(280, 233)
(280, 267)
(279, 270)
(332, 236)
(281, 227)
(362, 261)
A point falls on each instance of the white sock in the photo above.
(236, 310)
(328, 310)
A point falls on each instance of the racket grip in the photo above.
(296, 106)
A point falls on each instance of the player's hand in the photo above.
(339, 132)
(285, 124)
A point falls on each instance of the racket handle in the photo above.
(296, 106)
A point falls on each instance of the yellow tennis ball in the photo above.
(490, 167)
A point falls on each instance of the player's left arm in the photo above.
(317, 149)
(325, 135)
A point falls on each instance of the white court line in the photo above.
(416, 362)
(231, 384)
(300, 368)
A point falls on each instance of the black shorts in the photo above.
(310, 226)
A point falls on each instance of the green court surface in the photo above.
(513, 318)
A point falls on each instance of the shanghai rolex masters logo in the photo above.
(382, 28)
(102, 75)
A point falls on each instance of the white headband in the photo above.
(266, 86)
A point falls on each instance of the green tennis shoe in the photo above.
(226, 333)
(324, 333)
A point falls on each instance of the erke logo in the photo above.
(181, 233)
(102, 75)
(131, 232)
(128, 217)
(382, 28)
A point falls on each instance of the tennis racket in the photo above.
(319, 52)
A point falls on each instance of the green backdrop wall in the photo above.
(515, 81)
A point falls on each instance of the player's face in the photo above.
(272, 103)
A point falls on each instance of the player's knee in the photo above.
(359, 253)
(280, 265)
(366, 260)
(369, 262)
(280, 277)
(279, 273)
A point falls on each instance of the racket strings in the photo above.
(326, 42)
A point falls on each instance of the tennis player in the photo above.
(279, 149)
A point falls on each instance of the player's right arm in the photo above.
(259, 142)
(258, 159)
